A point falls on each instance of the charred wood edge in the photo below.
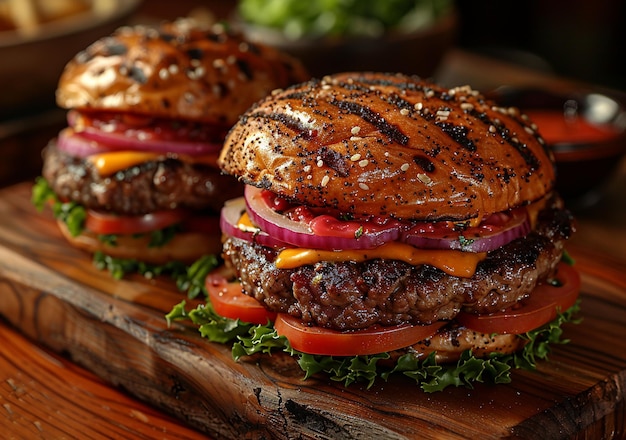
(578, 416)
(273, 410)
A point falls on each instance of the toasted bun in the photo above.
(390, 145)
(450, 342)
(180, 70)
(186, 247)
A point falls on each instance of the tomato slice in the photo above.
(136, 127)
(106, 223)
(373, 340)
(230, 302)
(540, 308)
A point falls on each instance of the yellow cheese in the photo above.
(245, 224)
(111, 162)
(456, 263)
(533, 210)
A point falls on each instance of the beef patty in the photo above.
(351, 295)
(140, 189)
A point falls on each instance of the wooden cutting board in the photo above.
(117, 330)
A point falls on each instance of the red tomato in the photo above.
(540, 308)
(373, 340)
(230, 302)
(105, 223)
(146, 129)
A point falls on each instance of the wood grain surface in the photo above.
(117, 331)
(44, 395)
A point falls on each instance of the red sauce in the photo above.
(325, 222)
(555, 128)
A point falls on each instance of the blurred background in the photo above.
(579, 40)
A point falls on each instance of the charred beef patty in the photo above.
(144, 188)
(352, 295)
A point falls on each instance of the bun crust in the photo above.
(390, 145)
(184, 246)
(449, 343)
(180, 70)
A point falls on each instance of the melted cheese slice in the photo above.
(112, 162)
(245, 224)
(456, 263)
(533, 210)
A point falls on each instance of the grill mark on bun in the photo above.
(204, 72)
(244, 68)
(115, 47)
(393, 99)
(458, 133)
(390, 145)
(374, 118)
(399, 102)
(424, 163)
(195, 53)
(504, 132)
(530, 159)
(294, 124)
(137, 73)
(386, 82)
(334, 161)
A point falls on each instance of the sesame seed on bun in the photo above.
(390, 144)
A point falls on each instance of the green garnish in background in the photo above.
(316, 18)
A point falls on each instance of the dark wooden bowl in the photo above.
(418, 52)
(31, 64)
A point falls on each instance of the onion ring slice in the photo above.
(494, 232)
(230, 224)
(301, 235)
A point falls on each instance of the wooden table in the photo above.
(45, 395)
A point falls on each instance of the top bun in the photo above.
(180, 70)
(390, 145)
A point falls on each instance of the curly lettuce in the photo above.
(248, 339)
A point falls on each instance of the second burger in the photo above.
(134, 174)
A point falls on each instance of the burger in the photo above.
(391, 225)
(134, 174)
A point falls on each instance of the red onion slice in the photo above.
(229, 223)
(77, 145)
(120, 141)
(144, 133)
(300, 234)
(87, 143)
(495, 232)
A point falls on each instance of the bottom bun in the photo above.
(451, 341)
(186, 247)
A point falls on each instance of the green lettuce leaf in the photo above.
(71, 213)
(188, 278)
(430, 376)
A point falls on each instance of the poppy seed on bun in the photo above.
(149, 107)
(380, 144)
